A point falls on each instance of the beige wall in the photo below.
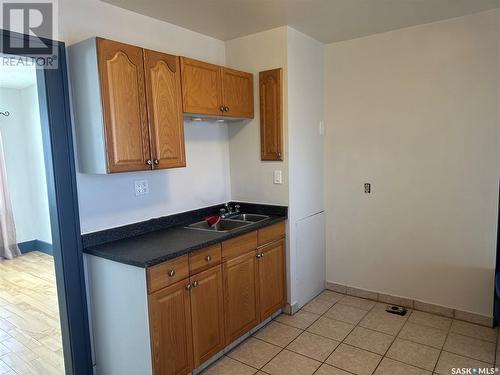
(251, 178)
(416, 113)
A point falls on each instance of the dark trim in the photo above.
(57, 136)
(36, 245)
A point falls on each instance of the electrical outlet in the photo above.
(141, 187)
(277, 177)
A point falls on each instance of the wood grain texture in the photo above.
(201, 87)
(240, 295)
(271, 233)
(159, 275)
(205, 258)
(237, 93)
(271, 114)
(171, 330)
(207, 311)
(239, 245)
(271, 278)
(164, 104)
(121, 72)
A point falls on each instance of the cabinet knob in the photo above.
(188, 286)
(262, 255)
(208, 258)
(171, 273)
(149, 162)
(258, 256)
(156, 162)
(222, 108)
(226, 109)
(278, 154)
(195, 284)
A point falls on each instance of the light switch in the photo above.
(321, 127)
(278, 177)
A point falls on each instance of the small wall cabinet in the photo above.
(271, 114)
(127, 106)
(213, 90)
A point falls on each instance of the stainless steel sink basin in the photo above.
(249, 217)
(225, 225)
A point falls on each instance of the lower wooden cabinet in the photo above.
(170, 330)
(207, 311)
(271, 279)
(240, 295)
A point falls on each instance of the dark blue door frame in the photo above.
(63, 204)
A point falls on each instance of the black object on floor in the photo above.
(398, 310)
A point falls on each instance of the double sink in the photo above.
(230, 223)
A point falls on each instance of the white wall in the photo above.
(415, 112)
(23, 148)
(108, 201)
(251, 178)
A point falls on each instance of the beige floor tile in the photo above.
(423, 335)
(474, 330)
(470, 347)
(278, 334)
(383, 322)
(318, 306)
(390, 367)
(301, 319)
(414, 354)
(4, 369)
(345, 313)
(448, 361)
(228, 366)
(330, 296)
(254, 352)
(330, 370)
(313, 346)
(430, 320)
(367, 339)
(354, 360)
(289, 363)
(333, 329)
(360, 303)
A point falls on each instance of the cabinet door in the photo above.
(271, 278)
(201, 87)
(237, 93)
(271, 115)
(240, 295)
(163, 94)
(121, 72)
(170, 329)
(207, 314)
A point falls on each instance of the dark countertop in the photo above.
(153, 247)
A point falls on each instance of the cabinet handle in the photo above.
(278, 154)
(226, 109)
(171, 273)
(156, 161)
(195, 284)
(258, 256)
(149, 162)
(262, 255)
(222, 108)
(208, 258)
(188, 286)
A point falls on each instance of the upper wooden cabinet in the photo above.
(271, 114)
(127, 107)
(163, 94)
(214, 90)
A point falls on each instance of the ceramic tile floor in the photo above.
(336, 334)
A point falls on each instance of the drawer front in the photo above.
(167, 273)
(239, 245)
(204, 259)
(271, 233)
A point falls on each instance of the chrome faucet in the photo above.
(228, 210)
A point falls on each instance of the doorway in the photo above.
(46, 313)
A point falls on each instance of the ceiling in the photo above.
(325, 20)
(16, 77)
